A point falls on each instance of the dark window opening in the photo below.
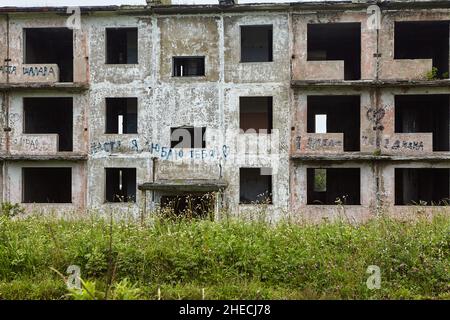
(121, 46)
(255, 114)
(188, 137)
(188, 66)
(424, 113)
(121, 115)
(337, 41)
(333, 186)
(50, 115)
(255, 185)
(256, 43)
(424, 186)
(339, 114)
(120, 184)
(47, 185)
(192, 205)
(52, 46)
(423, 40)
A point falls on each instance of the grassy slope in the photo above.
(231, 260)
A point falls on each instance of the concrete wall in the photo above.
(212, 101)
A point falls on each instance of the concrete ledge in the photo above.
(63, 86)
(356, 156)
(215, 8)
(200, 185)
(369, 83)
(38, 157)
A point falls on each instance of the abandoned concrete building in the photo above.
(308, 109)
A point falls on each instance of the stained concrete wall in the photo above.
(212, 101)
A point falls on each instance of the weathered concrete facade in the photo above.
(299, 80)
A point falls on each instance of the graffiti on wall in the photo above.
(375, 116)
(395, 144)
(318, 143)
(8, 69)
(29, 71)
(158, 150)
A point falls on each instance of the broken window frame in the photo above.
(175, 66)
(108, 59)
(269, 47)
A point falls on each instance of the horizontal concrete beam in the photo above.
(356, 156)
(63, 86)
(60, 156)
(185, 185)
(369, 83)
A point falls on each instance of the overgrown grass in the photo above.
(229, 259)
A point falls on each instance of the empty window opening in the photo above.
(187, 137)
(320, 180)
(320, 123)
(332, 186)
(188, 66)
(255, 185)
(255, 114)
(192, 205)
(121, 115)
(424, 113)
(121, 46)
(336, 41)
(337, 114)
(423, 40)
(424, 186)
(50, 46)
(120, 184)
(256, 43)
(50, 115)
(47, 185)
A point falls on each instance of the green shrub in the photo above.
(9, 210)
(229, 259)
